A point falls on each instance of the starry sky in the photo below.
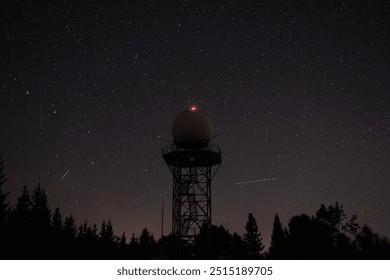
(299, 89)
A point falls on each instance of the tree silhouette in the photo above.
(220, 246)
(107, 239)
(122, 242)
(87, 240)
(134, 247)
(82, 230)
(335, 231)
(335, 219)
(148, 245)
(19, 224)
(279, 243)
(40, 222)
(21, 213)
(221, 241)
(56, 238)
(69, 237)
(301, 237)
(57, 222)
(4, 212)
(4, 206)
(30, 231)
(40, 211)
(123, 246)
(327, 235)
(370, 245)
(70, 227)
(107, 234)
(238, 247)
(91, 240)
(252, 239)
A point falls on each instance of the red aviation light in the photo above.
(193, 108)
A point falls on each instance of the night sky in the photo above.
(299, 89)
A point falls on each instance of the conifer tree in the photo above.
(19, 223)
(252, 239)
(68, 237)
(57, 222)
(70, 228)
(56, 234)
(238, 247)
(40, 211)
(123, 247)
(279, 245)
(106, 233)
(40, 224)
(122, 242)
(4, 211)
(82, 230)
(4, 206)
(21, 214)
(146, 238)
(147, 244)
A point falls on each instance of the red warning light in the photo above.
(193, 108)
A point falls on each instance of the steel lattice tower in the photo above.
(193, 164)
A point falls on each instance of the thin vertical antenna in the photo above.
(162, 219)
(40, 111)
(40, 135)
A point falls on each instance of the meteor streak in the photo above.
(66, 173)
(256, 181)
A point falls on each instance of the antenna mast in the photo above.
(162, 219)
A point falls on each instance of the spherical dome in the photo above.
(192, 129)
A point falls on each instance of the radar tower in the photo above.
(193, 162)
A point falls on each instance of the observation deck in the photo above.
(175, 155)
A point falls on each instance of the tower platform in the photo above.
(176, 156)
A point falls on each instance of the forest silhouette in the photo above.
(29, 229)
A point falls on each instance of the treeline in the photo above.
(29, 229)
(327, 235)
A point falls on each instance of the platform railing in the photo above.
(177, 148)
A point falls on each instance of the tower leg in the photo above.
(191, 206)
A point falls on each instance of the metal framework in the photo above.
(193, 171)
